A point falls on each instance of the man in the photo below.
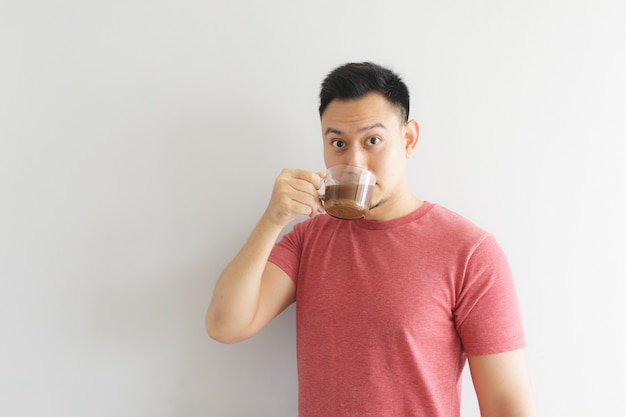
(388, 307)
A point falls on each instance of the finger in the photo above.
(295, 192)
(314, 178)
(302, 202)
(312, 202)
(300, 185)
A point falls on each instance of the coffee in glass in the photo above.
(348, 191)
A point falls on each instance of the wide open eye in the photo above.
(374, 140)
(338, 144)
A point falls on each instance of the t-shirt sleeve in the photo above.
(487, 313)
(286, 253)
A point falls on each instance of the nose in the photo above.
(356, 157)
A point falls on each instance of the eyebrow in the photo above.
(362, 129)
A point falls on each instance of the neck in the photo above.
(394, 208)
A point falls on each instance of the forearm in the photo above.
(247, 296)
(236, 294)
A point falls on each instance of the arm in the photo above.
(502, 385)
(251, 292)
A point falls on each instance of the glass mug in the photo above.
(348, 191)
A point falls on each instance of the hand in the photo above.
(295, 192)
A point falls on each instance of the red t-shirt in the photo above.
(386, 312)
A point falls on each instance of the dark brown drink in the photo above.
(347, 201)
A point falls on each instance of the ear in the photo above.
(411, 136)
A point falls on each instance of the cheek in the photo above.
(386, 176)
(382, 168)
(330, 158)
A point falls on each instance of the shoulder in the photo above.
(449, 224)
(310, 227)
(317, 222)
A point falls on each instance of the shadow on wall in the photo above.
(253, 377)
(148, 332)
(156, 268)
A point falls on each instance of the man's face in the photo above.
(369, 133)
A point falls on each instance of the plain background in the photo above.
(140, 141)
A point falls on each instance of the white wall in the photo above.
(140, 140)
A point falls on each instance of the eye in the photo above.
(338, 144)
(374, 140)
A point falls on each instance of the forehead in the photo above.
(371, 108)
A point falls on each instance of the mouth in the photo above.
(373, 206)
(381, 201)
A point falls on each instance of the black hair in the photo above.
(355, 80)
